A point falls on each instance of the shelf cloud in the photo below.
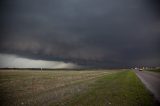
(13, 61)
(94, 33)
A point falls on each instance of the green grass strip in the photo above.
(119, 89)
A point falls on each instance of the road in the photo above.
(151, 80)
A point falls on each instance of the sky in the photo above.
(13, 61)
(87, 33)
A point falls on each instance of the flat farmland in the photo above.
(72, 88)
(29, 87)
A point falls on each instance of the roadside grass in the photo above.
(119, 89)
(154, 70)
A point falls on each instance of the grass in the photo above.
(30, 88)
(119, 89)
(72, 88)
(154, 70)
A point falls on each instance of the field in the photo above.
(154, 70)
(72, 88)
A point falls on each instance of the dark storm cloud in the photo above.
(111, 33)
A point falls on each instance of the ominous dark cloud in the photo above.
(100, 33)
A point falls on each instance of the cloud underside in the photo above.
(13, 61)
(99, 33)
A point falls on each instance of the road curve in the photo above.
(151, 80)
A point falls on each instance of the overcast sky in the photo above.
(97, 33)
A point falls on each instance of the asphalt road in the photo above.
(151, 81)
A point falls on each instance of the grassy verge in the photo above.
(154, 70)
(119, 89)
